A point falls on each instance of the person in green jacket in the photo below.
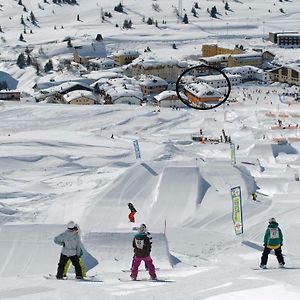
(272, 241)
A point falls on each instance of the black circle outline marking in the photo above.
(195, 67)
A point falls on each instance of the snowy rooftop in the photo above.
(150, 80)
(165, 94)
(152, 62)
(217, 77)
(126, 53)
(92, 49)
(202, 89)
(76, 94)
(64, 87)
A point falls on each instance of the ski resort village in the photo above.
(149, 149)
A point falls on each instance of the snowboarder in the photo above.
(272, 241)
(142, 248)
(70, 241)
(132, 212)
(67, 266)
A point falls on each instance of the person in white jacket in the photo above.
(70, 240)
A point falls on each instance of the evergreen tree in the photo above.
(21, 61)
(21, 38)
(227, 6)
(281, 10)
(119, 8)
(174, 46)
(31, 31)
(22, 20)
(213, 12)
(54, 27)
(185, 19)
(69, 43)
(24, 8)
(20, 2)
(28, 60)
(1, 30)
(150, 21)
(32, 18)
(78, 18)
(193, 11)
(48, 66)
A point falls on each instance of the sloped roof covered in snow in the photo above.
(152, 62)
(92, 49)
(66, 86)
(202, 89)
(80, 93)
(151, 80)
(166, 94)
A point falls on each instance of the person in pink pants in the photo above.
(142, 248)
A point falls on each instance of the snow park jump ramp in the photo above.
(29, 249)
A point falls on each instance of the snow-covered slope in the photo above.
(59, 163)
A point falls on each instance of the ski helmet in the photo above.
(272, 220)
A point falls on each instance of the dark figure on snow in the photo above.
(142, 248)
(254, 196)
(272, 241)
(132, 212)
(70, 240)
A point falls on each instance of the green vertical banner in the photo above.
(237, 212)
(232, 154)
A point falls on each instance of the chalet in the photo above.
(152, 85)
(67, 87)
(248, 73)
(214, 49)
(10, 95)
(218, 61)
(169, 99)
(198, 93)
(80, 98)
(219, 81)
(125, 57)
(121, 90)
(83, 53)
(168, 69)
(286, 74)
(248, 59)
(101, 64)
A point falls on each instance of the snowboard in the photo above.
(86, 279)
(144, 280)
(142, 270)
(277, 268)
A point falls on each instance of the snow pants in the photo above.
(62, 263)
(67, 266)
(278, 253)
(136, 263)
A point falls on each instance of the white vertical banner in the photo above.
(237, 211)
(232, 154)
(137, 149)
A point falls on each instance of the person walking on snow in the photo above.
(82, 266)
(272, 241)
(70, 241)
(142, 248)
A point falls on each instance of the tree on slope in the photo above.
(48, 66)
(21, 61)
(185, 19)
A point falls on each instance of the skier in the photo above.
(254, 196)
(272, 241)
(67, 266)
(132, 212)
(142, 248)
(70, 241)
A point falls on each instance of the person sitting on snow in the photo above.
(70, 241)
(272, 241)
(142, 248)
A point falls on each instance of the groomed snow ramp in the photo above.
(30, 249)
(114, 250)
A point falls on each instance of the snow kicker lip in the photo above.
(195, 104)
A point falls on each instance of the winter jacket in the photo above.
(141, 245)
(273, 236)
(70, 241)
